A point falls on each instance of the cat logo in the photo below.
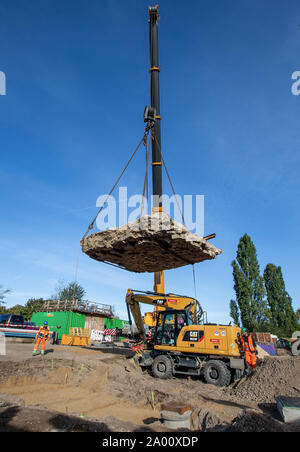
(160, 302)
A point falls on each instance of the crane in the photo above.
(182, 343)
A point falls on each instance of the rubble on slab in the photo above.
(151, 244)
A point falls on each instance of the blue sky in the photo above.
(77, 83)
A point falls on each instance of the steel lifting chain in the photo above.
(148, 128)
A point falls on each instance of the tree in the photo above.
(298, 314)
(249, 287)
(17, 309)
(70, 291)
(3, 293)
(32, 305)
(283, 320)
(234, 312)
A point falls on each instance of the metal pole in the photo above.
(155, 103)
(159, 285)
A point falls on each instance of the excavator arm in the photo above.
(162, 302)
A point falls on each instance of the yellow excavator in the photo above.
(182, 344)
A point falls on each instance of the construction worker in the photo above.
(42, 336)
(249, 348)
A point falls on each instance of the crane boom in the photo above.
(156, 144)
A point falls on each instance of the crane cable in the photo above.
(170, 181)
(145, 187)
(144, 140)
(179, 208)
(91, 225)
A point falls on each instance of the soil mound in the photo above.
(274, 376)
(252, 421)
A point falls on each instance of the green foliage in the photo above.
(70, 291)
(234, 312)
(298, 314)
(32, 305)
(3, 293)
(274, 314)
(17, 309)
(283, 320)
(249, 287)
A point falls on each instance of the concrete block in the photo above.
(176, 415)
(151, 244)
(289, 408)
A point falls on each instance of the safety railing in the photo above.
(77, 305)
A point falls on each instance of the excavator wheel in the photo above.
(162, 367)
(217, 373)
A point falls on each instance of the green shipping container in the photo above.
(114, 323)
(63, 319)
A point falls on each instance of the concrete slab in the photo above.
(151, 244)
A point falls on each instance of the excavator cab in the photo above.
(169, 325)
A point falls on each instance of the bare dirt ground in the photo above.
(76, 389)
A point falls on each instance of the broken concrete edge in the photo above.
(153, 223)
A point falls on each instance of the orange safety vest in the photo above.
(248, 344)
(43, 333)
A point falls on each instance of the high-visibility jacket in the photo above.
(248, 343)
(43, 333)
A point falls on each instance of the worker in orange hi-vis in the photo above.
(249, 348)
(42, 336)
